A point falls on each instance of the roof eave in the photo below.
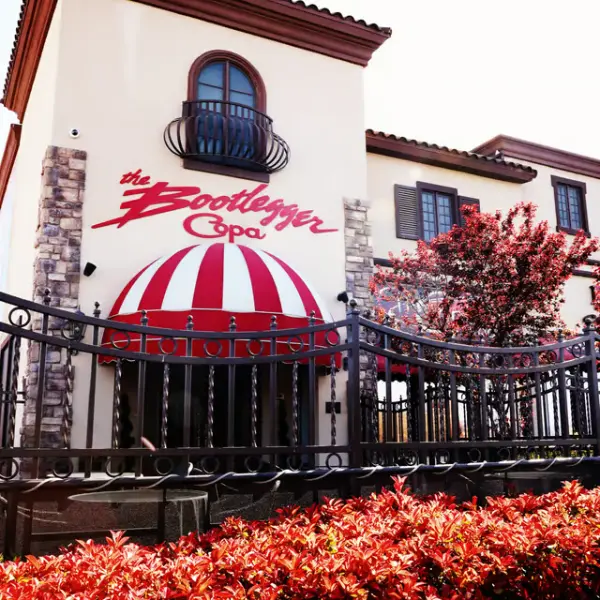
(291, 23)
(541, 155)
(447, 159)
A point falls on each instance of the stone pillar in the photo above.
(359, 252)
(359, 270)
(57, 270)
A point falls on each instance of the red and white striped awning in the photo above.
(212, 283)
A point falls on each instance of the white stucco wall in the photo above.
(123, 80)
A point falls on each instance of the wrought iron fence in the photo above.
(88, 403)
(352, 393)
(457, 403)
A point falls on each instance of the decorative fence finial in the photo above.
(590, 322)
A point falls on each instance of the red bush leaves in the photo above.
(392, 546)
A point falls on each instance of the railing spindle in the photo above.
(511, 401)
(254, 406)
(67, 405)
(453, 421)
(539, 420)
(37, 438)
(333, 398)
(141, 393)
(164, 416)
(231, 394)
(562, 390)
(210, 418)
(273, 407)
(91, 411)
(421, 399)
(555, 408)
(295, 411)
(312, 384)
(14, 391)
(388, 395)
(116, 437)
(5, 363)
(187, 386)
(353, 400)
(592, 372)
(410, 403)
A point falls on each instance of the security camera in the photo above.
(74, 132)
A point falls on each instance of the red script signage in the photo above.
(161, 197)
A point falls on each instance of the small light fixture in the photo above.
(76, 330)
(343, 297)
(89, 269)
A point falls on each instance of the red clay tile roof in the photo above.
(449, 158)
(339, 15)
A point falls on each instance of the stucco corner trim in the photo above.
(8, 159)
(34, 24)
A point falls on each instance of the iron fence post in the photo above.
(562, 390)
(91, 414)
(353, 392)
(590, 347)
(41, 381)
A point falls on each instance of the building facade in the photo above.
(209, 158)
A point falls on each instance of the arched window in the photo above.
(224, 127)
(226, 97)
(223, 80)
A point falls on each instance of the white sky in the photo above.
(457, 72)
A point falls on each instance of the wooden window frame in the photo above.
(430, 187)
(239, 61)
(260, 106)
(555, 180)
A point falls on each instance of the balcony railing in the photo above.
(228, 134)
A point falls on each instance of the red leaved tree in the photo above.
(497, 278)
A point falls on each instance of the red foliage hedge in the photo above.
(392, 545)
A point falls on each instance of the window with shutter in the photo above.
(425, 211)
(407, 212)
(464, 201)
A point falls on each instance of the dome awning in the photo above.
(212, 283)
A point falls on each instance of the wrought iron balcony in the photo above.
(228, 134)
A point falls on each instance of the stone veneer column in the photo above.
(359, 270)
(359, 252)
(56, 269)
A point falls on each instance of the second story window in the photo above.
(437, 210)
(225, 111)
(425, 211)
(224, 127)
(569, 198)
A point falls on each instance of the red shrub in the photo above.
(392, 545)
